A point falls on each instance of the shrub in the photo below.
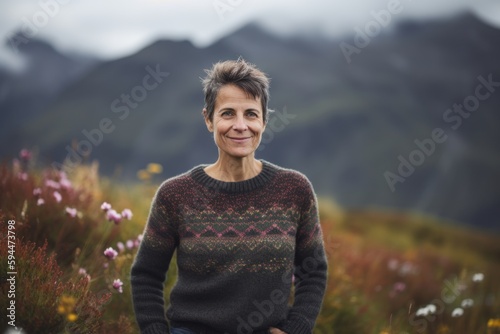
(41, 288)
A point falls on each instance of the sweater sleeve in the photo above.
(150, 266)
(310, 269)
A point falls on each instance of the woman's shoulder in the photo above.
(178, 182)
(293, 176)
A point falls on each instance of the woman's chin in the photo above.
(240, 153)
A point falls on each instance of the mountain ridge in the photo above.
(351, 120)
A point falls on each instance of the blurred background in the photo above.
(353, 85)
(391, 108)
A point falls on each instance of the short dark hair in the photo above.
(241, 74)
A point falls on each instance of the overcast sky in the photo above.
(115, 28)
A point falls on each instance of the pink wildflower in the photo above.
(22, 176)
(25, 154)
(83, 272)
(57, 196)
(127, 214)
(72, 212)
(393, 264)
(105, 206)
(37, 192)
(118, 285)
(110, 253)
(399, 287)
(120, 246)
(40, 201)
(130, 244)
(65, 183)
(114, 216)
(52, 184)
(139, 237)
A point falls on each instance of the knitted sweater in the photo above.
(240, 248)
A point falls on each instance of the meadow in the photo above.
(73, 237)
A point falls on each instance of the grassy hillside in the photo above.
(386, 268)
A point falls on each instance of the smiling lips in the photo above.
(239, 139)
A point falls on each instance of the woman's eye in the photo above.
(226, 113)
(252, 114)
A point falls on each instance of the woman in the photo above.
(244, 230)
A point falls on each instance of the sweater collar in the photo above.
(268, 170)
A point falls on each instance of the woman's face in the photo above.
(237, 122)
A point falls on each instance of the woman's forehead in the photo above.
(234, 95)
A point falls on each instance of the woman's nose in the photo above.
(239, 123)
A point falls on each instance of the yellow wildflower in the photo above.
(494, 323)
(66, 307)
(72, 317)
(154, 168)
(443, 329)
(143, 175)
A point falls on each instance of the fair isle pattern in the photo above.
(236, 243)
(261, 234)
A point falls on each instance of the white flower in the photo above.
(40, 201)
(467, 303)
(422, 312)
(478, 277)
(457, 312)
(425, 311)
(407, 268)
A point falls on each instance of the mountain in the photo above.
(371, 130)
(25, 94)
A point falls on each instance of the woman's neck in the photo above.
(230, 169)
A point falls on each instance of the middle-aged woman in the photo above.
(245, 230)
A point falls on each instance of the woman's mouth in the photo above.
(240, 140)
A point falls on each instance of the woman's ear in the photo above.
(208, 121)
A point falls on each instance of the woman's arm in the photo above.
(310, 269)
(150, 266)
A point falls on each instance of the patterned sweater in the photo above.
(240, 248)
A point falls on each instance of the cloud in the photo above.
(114, 28)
